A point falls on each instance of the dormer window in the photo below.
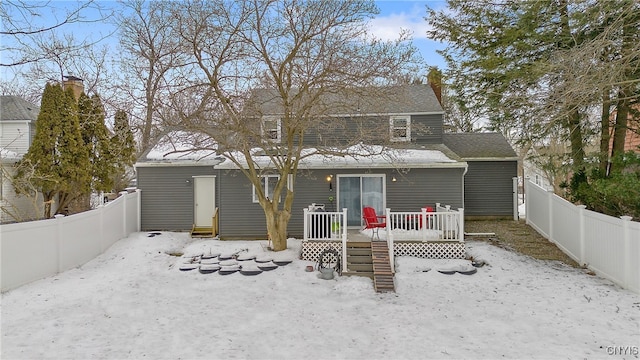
(400, 128)
(271, 129)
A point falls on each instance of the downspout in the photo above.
(466, 169)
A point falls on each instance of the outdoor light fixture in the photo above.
(329, 178)
(393, 179)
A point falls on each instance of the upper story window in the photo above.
(271, 128)
(400, 128)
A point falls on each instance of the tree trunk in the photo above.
(277, 222)
(620, 126)
(575, 137)
(605, 135)
(48, 200)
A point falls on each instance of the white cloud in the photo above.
(389, 26)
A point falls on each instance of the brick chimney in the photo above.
(75, 83)
(434, 77)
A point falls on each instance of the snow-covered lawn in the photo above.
(133, 302)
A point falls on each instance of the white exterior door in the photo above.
(204, 200)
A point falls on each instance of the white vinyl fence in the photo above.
(607, 245)
(37, 249)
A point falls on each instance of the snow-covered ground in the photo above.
(133, 302)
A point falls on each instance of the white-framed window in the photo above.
(271, 129)
(268, 184)
(400, 127)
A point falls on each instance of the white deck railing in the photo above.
(327, 225)
(444, 224)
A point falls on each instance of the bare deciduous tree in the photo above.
(28, 28)
(152, 67)
(312, 59)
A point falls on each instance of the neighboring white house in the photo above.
(17, 129)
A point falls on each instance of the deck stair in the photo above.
(202, 232)
(359, 260)
(370, 259)
(382, 273)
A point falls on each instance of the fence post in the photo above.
(305, 224)
(423, 218)
(461, 226)
(59, 218)
(139, 214)
(123, 195)
(526, 203)
(515, 198)
(550, 213)
(627, 250)
(581, 233)
(100, 210)
(390, 244)
(344, 240)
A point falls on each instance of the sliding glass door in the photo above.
(358, 191)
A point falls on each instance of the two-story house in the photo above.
(470, 171)
(17, 129)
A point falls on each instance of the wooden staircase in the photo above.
(359, 260)
(201, 232)
(205, 231)
(382, 274)
(370, 259)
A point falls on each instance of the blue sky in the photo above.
(395, 15)
(409, 15)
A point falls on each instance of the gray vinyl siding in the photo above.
(331, 131)
(425, 129)
(489, 188)
(241, 218)
(425, 187)
(428, 129)
(167, 196)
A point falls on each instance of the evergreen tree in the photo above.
(123, 149)
(95, 136)
(538, 69)
(74, 165)
(57, 159)
(42, 157)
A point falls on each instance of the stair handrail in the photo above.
(344, 240)
(390, 240)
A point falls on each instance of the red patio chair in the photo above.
(429, 218)
(416, 220)
(372, 221)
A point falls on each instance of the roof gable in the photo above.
(402, 99)
(15, 108)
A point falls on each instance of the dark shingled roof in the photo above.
(402, 99)
(479, 145)
(17, 108)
